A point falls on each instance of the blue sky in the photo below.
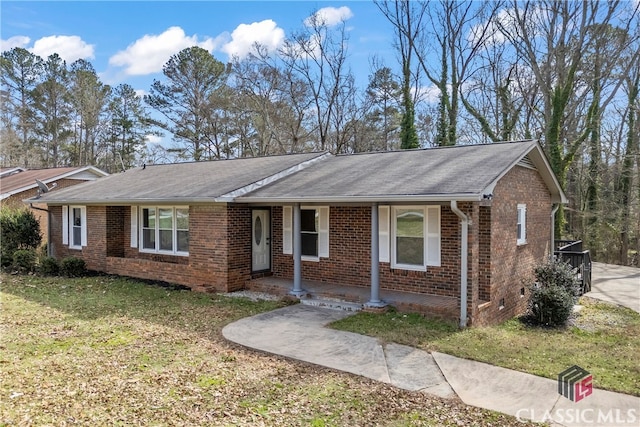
(128, 42)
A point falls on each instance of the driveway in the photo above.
(616, 284)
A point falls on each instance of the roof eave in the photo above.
(130, 202)
(417, 198)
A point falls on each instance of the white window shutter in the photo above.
(134, 226)
(65, 225)
(83, 229)
(323, 233)
(383, 233)
(287, 230)
(433, 236)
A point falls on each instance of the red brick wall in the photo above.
(349, 259)
(511, 264)
(213, 263)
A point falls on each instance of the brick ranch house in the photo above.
(18, 184)
(452, 231)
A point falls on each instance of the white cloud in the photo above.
(429, 94)
(15, 41)
(153, 139)
(69, 48)
(148, 54)
(245, 36)
(329, 16)
(140, 93)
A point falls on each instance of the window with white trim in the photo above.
(415, 239)
(74, 226)
(164, 229)
(522, 224)
(314, 231)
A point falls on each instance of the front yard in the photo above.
(602, 338)
(111, 351)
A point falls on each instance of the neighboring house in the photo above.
(465, 224)
(18, 184)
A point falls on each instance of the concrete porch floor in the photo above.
(431, 305)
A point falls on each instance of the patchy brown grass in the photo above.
(112, 351)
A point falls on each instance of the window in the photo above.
(74, 226)
(164, 230)
(314, 231)
(309, 230)
(415, 242)
(522, 224)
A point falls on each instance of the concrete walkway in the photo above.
(299, 332)
(616, 284)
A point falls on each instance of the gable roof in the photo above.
(436, 174)
(181, 183)
(17, 180)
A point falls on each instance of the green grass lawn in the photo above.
(602, 338)
(112, 351)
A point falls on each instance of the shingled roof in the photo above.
(466, 172)
(194, 182)
(435, 174)
(17, 180)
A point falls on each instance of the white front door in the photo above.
(261, 240)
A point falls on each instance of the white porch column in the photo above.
(375, 260)
(297, 253)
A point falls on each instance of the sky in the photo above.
(130, 41)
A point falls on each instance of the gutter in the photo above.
(553, 229)
(464, 252)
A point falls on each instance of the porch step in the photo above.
(333, 304)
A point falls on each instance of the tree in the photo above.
(21, 71)
(318, 56)
(193, 77)
(553, 38)
(383, 101)
(51, 101)
(89, 97)
(406, 18)
(129, 127)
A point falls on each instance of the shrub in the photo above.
(24, 260)
(19, 229)
(72, 267)
(553, 295)
(560, 273)
(49, 266)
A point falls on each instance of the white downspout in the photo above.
(464, 252)
(553, 229)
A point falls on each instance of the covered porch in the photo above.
(356, 297)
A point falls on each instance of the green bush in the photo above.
(559, 273)
(48, 266)
(73, 267)
(24, 260)
(553, 295)
(19, 229)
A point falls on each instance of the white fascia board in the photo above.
(232, 195)
(365, 199)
